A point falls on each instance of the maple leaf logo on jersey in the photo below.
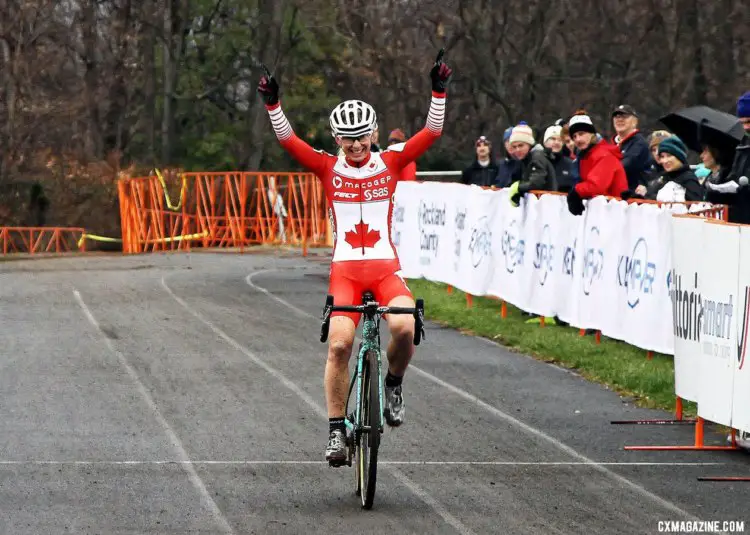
(362, 236)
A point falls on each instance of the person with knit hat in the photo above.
(735, 191)
(537, 172)
(599, 164)
(483, 170)
(655, 170)
(509, 169)
(678, 183)
(566, 171)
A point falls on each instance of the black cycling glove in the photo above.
(440, 73)
(268, 88)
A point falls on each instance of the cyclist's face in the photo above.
(356, 149)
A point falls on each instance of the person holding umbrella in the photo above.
(734, 191)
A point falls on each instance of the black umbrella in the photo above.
(701, 125)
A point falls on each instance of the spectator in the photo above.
(510, 168)
(483, 172)
(599, 164)
(655, 170)
(566, 172)
(374, 147)
(537, 172)
(718, 163)
(636, 158)
(678, 183)
(731, 192)
(410, 171)
(570, 146)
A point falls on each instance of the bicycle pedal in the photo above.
(337, 463)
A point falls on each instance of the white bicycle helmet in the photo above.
(353, 118)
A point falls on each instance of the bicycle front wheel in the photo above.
(369, 441)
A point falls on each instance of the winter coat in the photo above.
(566, 170)
(480, 175)
(509, 171)
(680, 185)
(537, 172)
(636, 158)
(654, 171)
(601, 171)
(738, 202)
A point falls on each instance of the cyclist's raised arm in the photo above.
(307, 156)
(422, 140)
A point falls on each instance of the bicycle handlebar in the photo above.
(417, 311)
(379, 310)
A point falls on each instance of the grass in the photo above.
(622, 367)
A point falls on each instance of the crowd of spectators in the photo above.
(575, 158)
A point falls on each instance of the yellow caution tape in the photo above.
(166, 193)
(180, 238)
(94, 237)
(158, 240)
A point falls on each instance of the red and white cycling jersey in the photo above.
(360, 195)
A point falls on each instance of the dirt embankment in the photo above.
(63, 193)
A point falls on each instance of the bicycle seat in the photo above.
(367, 296)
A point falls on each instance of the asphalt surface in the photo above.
(182, 393)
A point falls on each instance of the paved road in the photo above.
(183, 394)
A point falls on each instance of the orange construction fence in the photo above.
(222, 210)
(36, 240)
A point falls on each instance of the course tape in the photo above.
(171, 206)
(158, 240)
(95, 237)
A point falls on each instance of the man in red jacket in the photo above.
(599, 164)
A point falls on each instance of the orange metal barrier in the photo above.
(35, 240)
(222, 210)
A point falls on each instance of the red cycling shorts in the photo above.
(350, 279)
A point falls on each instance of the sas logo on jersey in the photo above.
(337, 181)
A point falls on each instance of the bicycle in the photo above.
(365, 425)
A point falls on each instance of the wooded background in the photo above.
(172, 82)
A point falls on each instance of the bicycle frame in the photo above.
(370, 341)
(371, 314)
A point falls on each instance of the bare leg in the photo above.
(401, 345)
(341, 339)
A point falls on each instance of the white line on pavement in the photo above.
(504, 416)
(184, 459)
(321, 411)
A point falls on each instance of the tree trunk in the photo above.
(89, 31)
(149, 67)
(10, 99)
(170, 47)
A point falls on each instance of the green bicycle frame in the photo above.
(370, 341)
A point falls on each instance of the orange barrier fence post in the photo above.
(223, 209)
(36, 240)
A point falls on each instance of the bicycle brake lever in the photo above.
(326, 324)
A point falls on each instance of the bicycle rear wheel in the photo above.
(369, 441)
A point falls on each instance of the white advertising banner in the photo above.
(718, 277)
(641, 295)
(685, 297)
(605, 270)
(741, 395)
